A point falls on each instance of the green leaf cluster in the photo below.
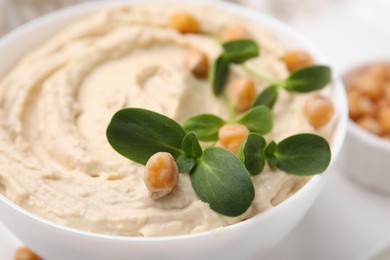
(237, 51)
(304, 80)
(258, 120)
(217, 175)
(301, 154)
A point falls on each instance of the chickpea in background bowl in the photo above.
(366, 151)
(368, 92)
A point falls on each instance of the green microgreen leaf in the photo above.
(258, 120)
(230, 108)
(308, 79)
(220, 179)
(218, 74)
(303, 154)
(139, 133)
(185, 163)
(251, 153)
(267, 97)
(238, 51)
(271, 148)
(270, 151)
(191, 146)
(205, 126)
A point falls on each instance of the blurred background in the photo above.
(16, 12)
(340, 28)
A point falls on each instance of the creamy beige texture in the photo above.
(57, 102)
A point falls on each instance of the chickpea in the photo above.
(297, 59)
(380, 71)
(184, 22)
(235, 32)
(197, 62)
(368, 91)
(368, 86)
(387, 94)
(231, 136)
(384, 119)
(24, 253)
(382, 103)
(161, 175)
(370, 124)
(318, 111)
(242, 93)
(359, 105)
(354, 103)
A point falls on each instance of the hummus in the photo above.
(56, 103)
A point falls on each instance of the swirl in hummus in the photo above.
(57, 102)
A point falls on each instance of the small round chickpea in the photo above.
(231, 136)
(369, 86)
(235, 32)
(380, 71)
(370, 124)
(359, 105)
(380, 104)
(161, 175)
(197, 62)
(386, 136)
(387, 93)
(24, 253)
(368, 92)
(242, 93)
(318, 111)
(184, 22)
(354, 103)
(297, 59)
(384, 119)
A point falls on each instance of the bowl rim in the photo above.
(251, 14)
(367, 137)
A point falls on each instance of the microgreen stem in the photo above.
(249, 67)
(213, 144)
(280, 83)
(232, 113)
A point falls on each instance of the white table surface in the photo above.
(347, 221)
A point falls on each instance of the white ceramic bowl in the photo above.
(365, 157)
(246, 240)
